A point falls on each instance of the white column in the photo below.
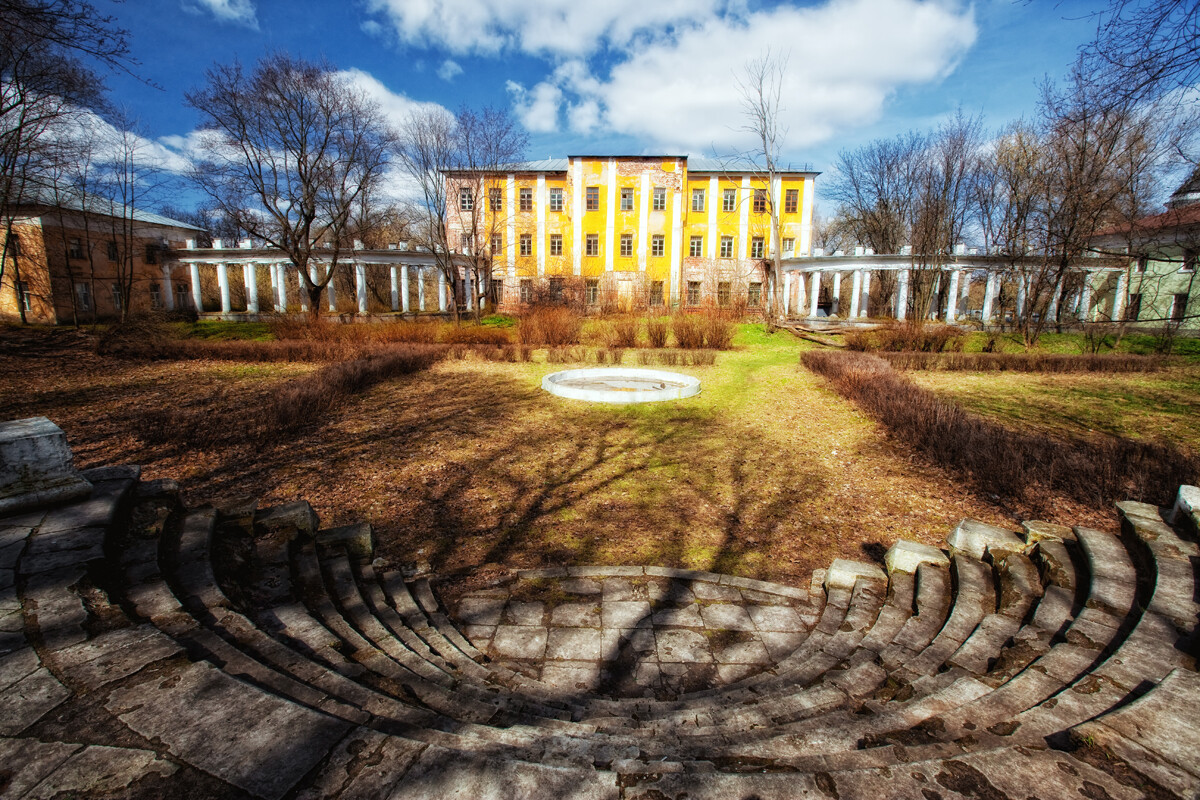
(856, 290)
(1119, 301)
(964, 292)
(1085, 298)
(223, 283)
(332, 298)
(420, 288)
(902, 294)
(281, 286)
(360, 286)
(989, 296)
(952, 297)
(835, 308)
(814, 293)
(801, 295)
(197, 300)
(865, 298)
(441, 280)
(168, 289)
(250, 276)
(480, 284)
(395, 274)
(787, 293)
(1052, 309)
(1022, 283)
(404, 302)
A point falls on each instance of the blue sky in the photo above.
(626, 76)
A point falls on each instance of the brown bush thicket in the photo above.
(286, 409)
(688, 330)
(903, 338)
(566, 355)
(300, 327)
(622, 332)
(1000, 460)
(711, 329)
(656, 332)
(549, 326)
(475, 335)
(1023, 362)
(675, 358)
(612, 356)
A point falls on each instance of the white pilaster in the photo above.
(952, 297)
(710, 238)
(360, 287)
(510, 228)
(223, 283)
(250, 275)
(610, 214)
(865, 297)
(168, 289)
(776, 207)
(814, 294)
(836, 307)
(856, 290)
(578, 190)
(989, 296)
(741, 248)
(643, 239)
(543, 244)
(806, 204)
(676, 264)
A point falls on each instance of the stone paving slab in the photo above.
(443, 775)
(25, 762)
(29, 699)
(236, 732)
(115, 654)
(101, 769)
(366, 764)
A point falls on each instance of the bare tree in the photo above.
(1145, 49)
(289, 150)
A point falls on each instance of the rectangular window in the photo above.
(660, 199)
(657, 244)
(593, 198)
(151, 254)
(23, 296)
(14, 245)
(75, 249)
(729, 200)
(497, 243)
(1179, 307)
(697, 199)
(760, 201)
(724, 293)
(464, 242)
(656, 293)
(556, 201)
(593, 244)
(754, 295)
(556, 290)
(83, 296)
(112, 251)
(693, 293)
(526, 290)
(756, 247)
(789, 245)
(726, 247)
(182, 299)
(791, 201)
(696, 247)
(466, 201)
(495, 199)
(155, 296)
(526, 244)
(556, 244)
(626, 244)
(1189, 261)
(592, 291)
(1134, 309)
(116, 296)
(526, 199)
(627, 199)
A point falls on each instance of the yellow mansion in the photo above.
(629, 230)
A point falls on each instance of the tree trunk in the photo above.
(314, 302)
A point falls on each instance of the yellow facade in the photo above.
(634, 224)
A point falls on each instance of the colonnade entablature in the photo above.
(805, 277)
(410, 270)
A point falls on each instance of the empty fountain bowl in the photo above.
(622, 385)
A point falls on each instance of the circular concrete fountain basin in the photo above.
(621, 385)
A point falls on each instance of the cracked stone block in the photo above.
(480, 610)
(512, 641)
(621, 589)
(686, 617)
(571, 644)
(572, 676)
(581, 586)
(726, 616)
(776, 618)
(524, 613)
(101, 769)
(729, 673)
(682, 646)
(576, 615)
(782, 644)
(974, 538)
(624, 613)
(1037, 531)
(30, 699)
(27, 761)
(616, 641)
(752, 652)
(712, 591)
(906, 556)
(36, 466)
(480, 635)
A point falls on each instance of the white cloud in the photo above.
(846, 58)
(396, 107)
(449, 70)
(537, 110)
(546, 27)
(238, 12)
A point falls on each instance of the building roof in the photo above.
(1188, 194)
(694, 164)
(94, 204)
(1159, 227)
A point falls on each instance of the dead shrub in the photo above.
(566, 355)
(1001, 460)
(1024, 362)
(549, 326)
(903, 338)
(656, 332)
(623, 333)
(476, 335)
(718, 331)
(688, 330)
